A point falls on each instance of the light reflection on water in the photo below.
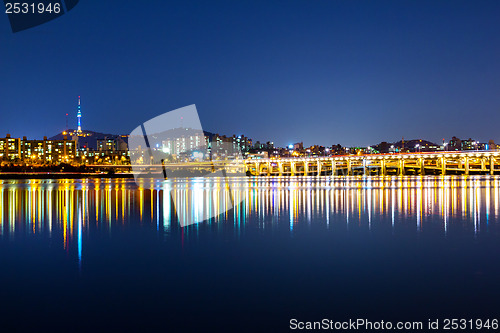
(381, 248)
(70, 207)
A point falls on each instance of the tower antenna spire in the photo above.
(79, 116)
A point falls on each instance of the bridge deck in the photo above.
(381, 164)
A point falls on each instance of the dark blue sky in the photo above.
(326, 72)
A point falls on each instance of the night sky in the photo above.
(319, 71)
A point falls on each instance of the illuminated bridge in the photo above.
(442, 163)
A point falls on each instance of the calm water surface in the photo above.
(96, 255)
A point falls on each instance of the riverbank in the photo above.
(62, 175)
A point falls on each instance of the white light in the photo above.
(197, 155)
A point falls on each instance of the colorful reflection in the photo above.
(70, 208)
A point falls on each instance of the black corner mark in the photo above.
(26, 14)
(70, 4)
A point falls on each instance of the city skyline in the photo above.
(79, 131)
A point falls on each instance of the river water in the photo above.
(102, 254)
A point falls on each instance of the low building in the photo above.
(49, 151)
(89, 156)
(183, 144)
(37, 151)
(10, 148)
(111, 144)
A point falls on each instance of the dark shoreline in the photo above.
(61, 175)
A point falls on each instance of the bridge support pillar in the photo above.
(306, 168)
(401, 169)
(269, 166)
(334, 167)
(280, 166)
(349, 168)
(292, 168)
(319, 168)
(466, 165)
(492, 165)
(443, 166)
(382, 168)
(257, 168)
(422, 167)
